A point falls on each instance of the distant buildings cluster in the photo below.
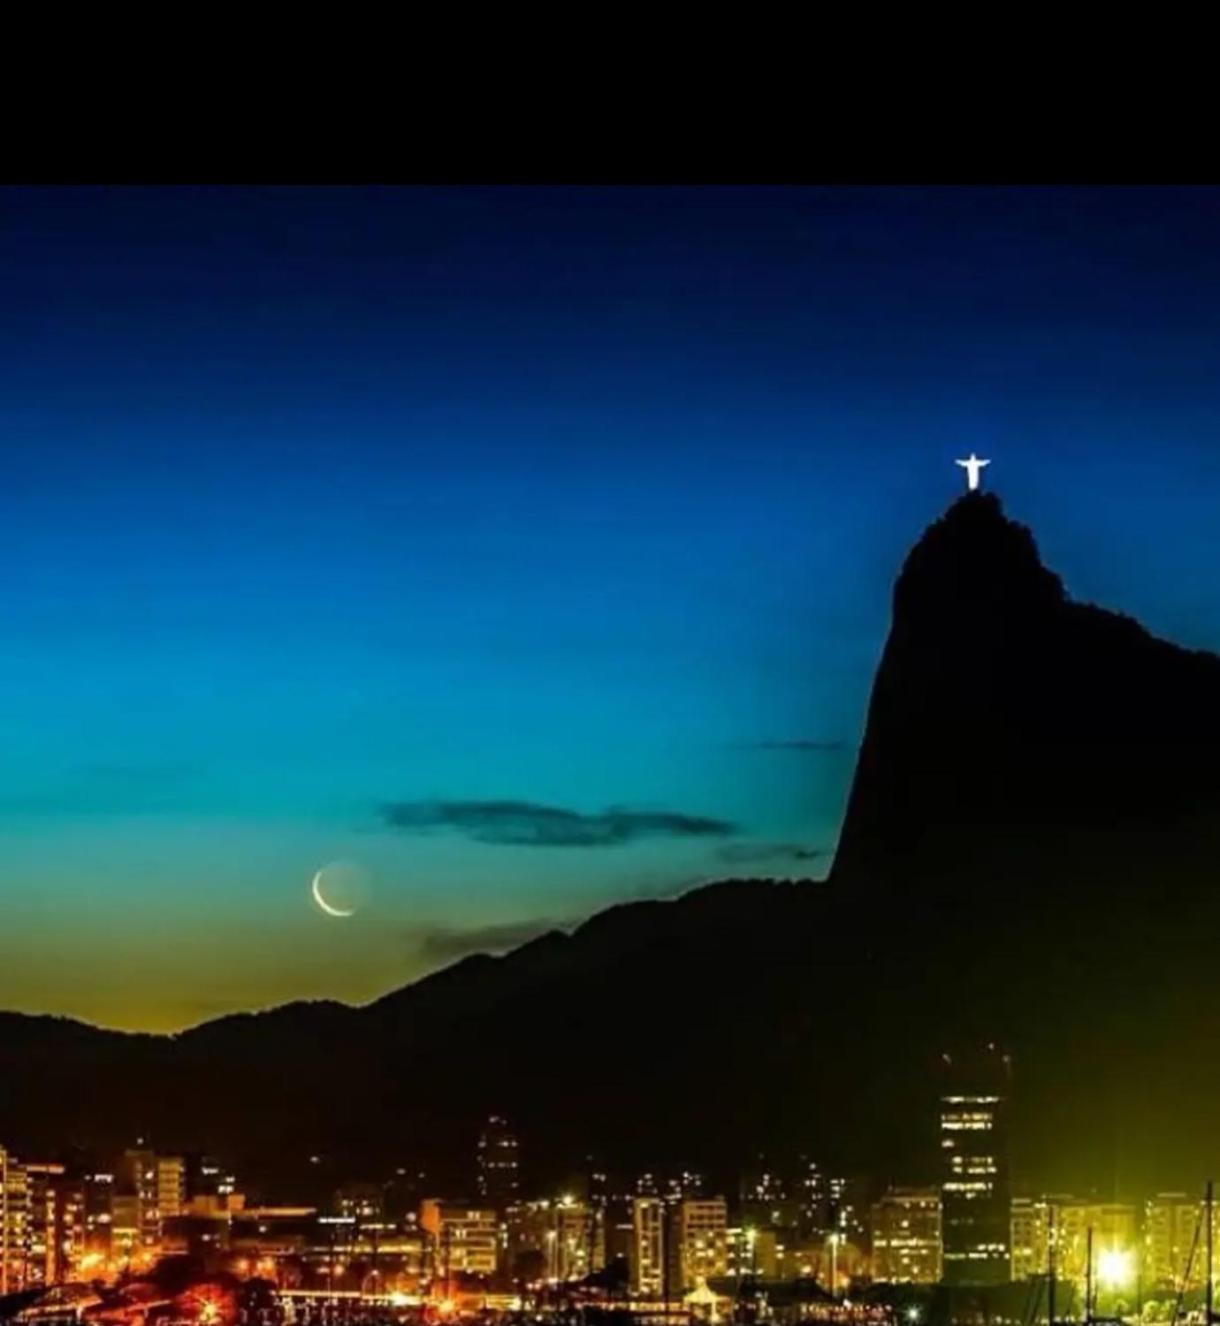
(658, 1237)
(1145, 1249)
(56, 1225)
(971, 1230)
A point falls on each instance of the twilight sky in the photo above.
(526, 549)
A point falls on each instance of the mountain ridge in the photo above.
(1026, 855)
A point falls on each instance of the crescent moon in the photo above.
(316, 889)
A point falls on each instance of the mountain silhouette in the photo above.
(1028, 856)
(1012, 731)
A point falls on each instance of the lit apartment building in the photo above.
(1173, 1225)
(564, 1239)
(697, 1241)
(753, 1253)
(171, 1186)
(136, 1212)
(126, 1227)
(1114, 1231)
(14, 1223)
(647, 1258)
(465, 1239)
(580, 1239)
(907, 1237)
(55, 1240)
(1030, 1234)
(99, 1215)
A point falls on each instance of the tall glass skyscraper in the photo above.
(497, 1178)
(975, 1189)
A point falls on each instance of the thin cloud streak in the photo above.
(441, 944)
(532, 824)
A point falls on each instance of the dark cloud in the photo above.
(748, 852)
(440, 944)
(529, 824)
(795, 743)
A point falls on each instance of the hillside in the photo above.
(1028, 856)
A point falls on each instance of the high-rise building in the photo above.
(1173, 1227)
(618, 1223)
(171, 1186)
(767, 1201)
(696, 1241)
(55, 1238)
(465, 1239)
(647, 1259)
(561, 1240)
(847, 1207)
(99, 1216)
(811, 1189)
(206, 1177)
(907, 1237)
(497, 1177)
(580, 1239)
(14, 1223)
(975, 1197)
(127, 1225)
(136, 1212)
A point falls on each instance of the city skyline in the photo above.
(526, 550)
(674, 1235)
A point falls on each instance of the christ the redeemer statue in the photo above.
(973, 468)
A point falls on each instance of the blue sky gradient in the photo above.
(316, 501)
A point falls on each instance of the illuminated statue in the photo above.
(973, 468)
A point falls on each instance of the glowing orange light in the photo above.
(210, 1305)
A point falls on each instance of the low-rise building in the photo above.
(906, 1227)
(465, 1239)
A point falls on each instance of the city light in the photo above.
(449, 1259)
(1114, 1268)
